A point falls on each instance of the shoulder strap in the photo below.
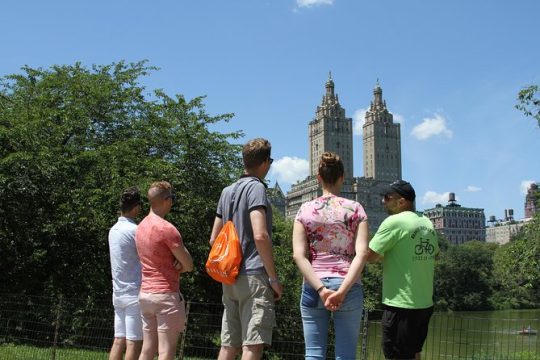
(233, 208)
(235, 198)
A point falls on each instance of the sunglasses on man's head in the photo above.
(172, 197)
(271, 160)
(399, 183)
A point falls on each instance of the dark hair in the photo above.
(255, 152)
(129, 199)
(330, 167)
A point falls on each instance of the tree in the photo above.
(71, 138)
(282, 229)
(463, 276)
(529, 102)
(517, 269)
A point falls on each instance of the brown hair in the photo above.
(159, 189)
(255, 152)
(130, 199)
(330, 167)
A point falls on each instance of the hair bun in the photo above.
(329, 159)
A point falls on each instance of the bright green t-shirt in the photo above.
(409, 244)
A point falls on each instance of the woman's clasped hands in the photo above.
(334, 301)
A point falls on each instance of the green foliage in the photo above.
(71, 138)
(372, 284)
(517, 269)
(285, 266)
(444, 244)
(529, 102)
(463, 277)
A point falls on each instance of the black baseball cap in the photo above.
(402, 188)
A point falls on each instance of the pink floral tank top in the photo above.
(330, 223)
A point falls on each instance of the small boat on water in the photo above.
(527, 331)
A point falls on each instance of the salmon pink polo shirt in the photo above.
(155, 238)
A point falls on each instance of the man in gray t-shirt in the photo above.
(249, 194)
(248, 316)
(126, 279)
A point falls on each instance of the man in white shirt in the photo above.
(126, 279)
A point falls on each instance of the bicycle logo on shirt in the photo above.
(424, 247)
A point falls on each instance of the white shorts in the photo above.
(127, 317)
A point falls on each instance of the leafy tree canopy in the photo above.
(71, 138)
(517, 268)
(529, 102)
(463, 279)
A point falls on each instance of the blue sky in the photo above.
(450, 72)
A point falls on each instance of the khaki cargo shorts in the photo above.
(249, 315)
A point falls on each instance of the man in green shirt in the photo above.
(407, 243)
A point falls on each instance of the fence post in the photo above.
(183, 334)
(365, 334)
(56, 326)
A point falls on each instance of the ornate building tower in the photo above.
(382, 141)
(331, 131)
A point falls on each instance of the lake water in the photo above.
(484, 335)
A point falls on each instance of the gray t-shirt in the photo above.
(250, 195)
(125, 264)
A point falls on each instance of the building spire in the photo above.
(377, 95)
(330, 97)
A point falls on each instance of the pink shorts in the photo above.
(163, 312)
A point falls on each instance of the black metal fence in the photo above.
(33, 327)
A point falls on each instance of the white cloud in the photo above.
(431, 197)
(311, 3)
(289, 169)
(472, 188)
(359, 119)
(525, 185)
(432, 127)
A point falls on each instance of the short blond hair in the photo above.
(255, 152)
(159, 190)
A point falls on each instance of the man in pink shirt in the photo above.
(163, 257)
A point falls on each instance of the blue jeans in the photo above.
(347, 321)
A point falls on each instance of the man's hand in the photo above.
(177, 265)
(278, 289)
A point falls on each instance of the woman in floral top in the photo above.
(330, 245)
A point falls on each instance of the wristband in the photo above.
(320, 289)
(273, 280)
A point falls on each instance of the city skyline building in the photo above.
(457, 223)
(503, 230)
(531, 201)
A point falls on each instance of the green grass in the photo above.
(25, 352)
